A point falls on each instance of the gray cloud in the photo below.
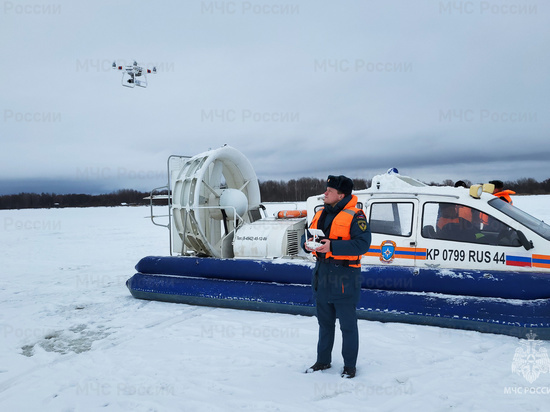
(302, 88)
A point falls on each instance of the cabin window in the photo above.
(451, 221)
(391, 218)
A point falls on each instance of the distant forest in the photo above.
(271, 191)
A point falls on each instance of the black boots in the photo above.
(318, 367)
(348, 372)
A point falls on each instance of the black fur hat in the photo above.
(341, 183)
(499, 185)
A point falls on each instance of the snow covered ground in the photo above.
(72, 338)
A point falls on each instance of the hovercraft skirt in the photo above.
(285, 288)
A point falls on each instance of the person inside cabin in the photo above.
(448, 214)
(454, 222)
(501, 193)
(465, 212)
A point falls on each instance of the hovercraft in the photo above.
(487, 269)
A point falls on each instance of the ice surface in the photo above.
(74, 339)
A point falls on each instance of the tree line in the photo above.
(270, 191)
(52, 200)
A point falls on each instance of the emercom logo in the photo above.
(531, 359)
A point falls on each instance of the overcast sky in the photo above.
(438, 89)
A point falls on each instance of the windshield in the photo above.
(537, 226)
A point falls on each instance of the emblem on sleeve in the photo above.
(361, 220)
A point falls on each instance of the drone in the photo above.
(134, 75)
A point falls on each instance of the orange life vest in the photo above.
(506, 195)
(340, 230)
(443, 221)
(465, 213)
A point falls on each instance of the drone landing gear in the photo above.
(132, 80)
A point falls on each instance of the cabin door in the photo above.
(393, 224)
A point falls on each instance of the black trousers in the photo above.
(346, 313)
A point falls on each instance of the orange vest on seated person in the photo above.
(465, 212)
(506, 195)
(443, 221)
(340, 230)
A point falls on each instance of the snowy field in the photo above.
(72, 338)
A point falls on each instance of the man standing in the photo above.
(337, 274)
